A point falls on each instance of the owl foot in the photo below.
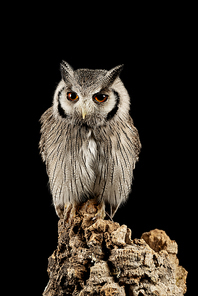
(59, 211)
(101, 213)
(111, 218)
(67, 212)
(111, 211)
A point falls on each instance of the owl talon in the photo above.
(98, 216)
(111, 218)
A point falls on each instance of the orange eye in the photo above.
(72, 96)
(100, 98)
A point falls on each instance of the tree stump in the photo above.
(97, 257)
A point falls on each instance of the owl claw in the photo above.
(100, 212)
(97, 215)
(111, 218)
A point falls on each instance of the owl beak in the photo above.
(83, 113)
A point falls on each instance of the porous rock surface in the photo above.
(97, 257)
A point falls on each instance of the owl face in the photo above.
(90, 97)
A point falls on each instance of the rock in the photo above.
(97, 257)
(158, 240)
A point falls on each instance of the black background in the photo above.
(155, 51)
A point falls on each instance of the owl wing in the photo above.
(135, 138)
(132, 145)
(46, 123)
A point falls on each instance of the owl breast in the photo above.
(88, 152)
(83, 163)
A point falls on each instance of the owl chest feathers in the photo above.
(89, 153)
(82, 162)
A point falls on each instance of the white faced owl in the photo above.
(88, 141)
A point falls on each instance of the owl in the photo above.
(88, 140)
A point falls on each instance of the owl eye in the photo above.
(100, 98)
(72, 96)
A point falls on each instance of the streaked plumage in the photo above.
(94, 156)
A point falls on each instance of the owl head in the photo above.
(90, 97)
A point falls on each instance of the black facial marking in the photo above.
(60, 109)
(112, 113)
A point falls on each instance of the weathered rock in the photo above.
(97, 257)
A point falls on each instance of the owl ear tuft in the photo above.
(111, 75)
(66, 72)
